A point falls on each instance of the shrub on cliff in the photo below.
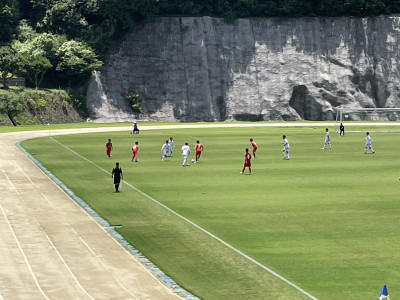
(24, 106)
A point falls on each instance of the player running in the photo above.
(199, 150)
(135, 150)
(171, 146)
(109, 147)
(368, 144)
(247, 161)
(165, 150)
(327, 140)
(255, 147)
(185, 154)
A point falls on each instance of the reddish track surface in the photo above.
(50, 248)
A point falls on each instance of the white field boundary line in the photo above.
(109, 230)
(50, 131)
(200, 228)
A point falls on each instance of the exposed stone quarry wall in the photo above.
(201, 69)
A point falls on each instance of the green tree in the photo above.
(48, 44)
(96, 22)
(100, 36)
(41, 45)
(9, 64)
(9, 16)
(123, 15)
(393, 6)
(65, 17)
(25, 32)
(355, 8)
(77, 60)
(34, 67)
(375, 7)
(298, 8)
(331, 8)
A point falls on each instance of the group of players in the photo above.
(167, 149)
(286, 147)
(368, 139)
(248, 156)
(135, 150)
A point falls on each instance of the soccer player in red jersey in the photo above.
(247, 161)
(199, 150)
(253, 143)
(109, 147)
(135, 150)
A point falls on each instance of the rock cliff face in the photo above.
(201, 69)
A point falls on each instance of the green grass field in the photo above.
(327, 220)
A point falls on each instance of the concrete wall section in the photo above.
(201, 69)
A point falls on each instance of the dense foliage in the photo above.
(32, 106)
(279, 8)
(61, 40)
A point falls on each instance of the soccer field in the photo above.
(326, 220)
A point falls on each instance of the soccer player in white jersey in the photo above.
(368, 144)
(171, 146)
(165, 150)
(286, 148)
(185, 154)
(327, 139)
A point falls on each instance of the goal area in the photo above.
(372, 116)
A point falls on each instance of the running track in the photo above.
(50, 248)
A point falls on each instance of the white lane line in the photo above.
(104, 265)
(24, 256)
(59, 254)
(68, 268)
(33, 184)
(141, 265)
(48, 238)
(201, 228)
(87, 246)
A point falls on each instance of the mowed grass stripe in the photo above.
(305, 217)
(200, 228)
(171, 237)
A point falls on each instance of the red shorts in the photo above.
(255, 149)
(247, 164)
